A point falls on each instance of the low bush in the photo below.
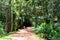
(1, 28)
(48, 31)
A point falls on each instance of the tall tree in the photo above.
(8, 16)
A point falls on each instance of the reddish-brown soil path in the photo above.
(25, 34)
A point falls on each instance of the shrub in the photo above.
(48, 31)
(1, 27)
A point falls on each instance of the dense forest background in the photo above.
(44, 16)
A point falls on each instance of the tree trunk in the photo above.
(8, 19)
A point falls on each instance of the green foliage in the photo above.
(1, 27)
(32, 9)
(48, 31)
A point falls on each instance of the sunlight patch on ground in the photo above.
(25, 34)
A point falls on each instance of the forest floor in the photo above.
(24, 34)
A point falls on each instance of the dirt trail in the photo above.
(25, 34)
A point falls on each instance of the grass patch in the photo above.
(6, 36)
